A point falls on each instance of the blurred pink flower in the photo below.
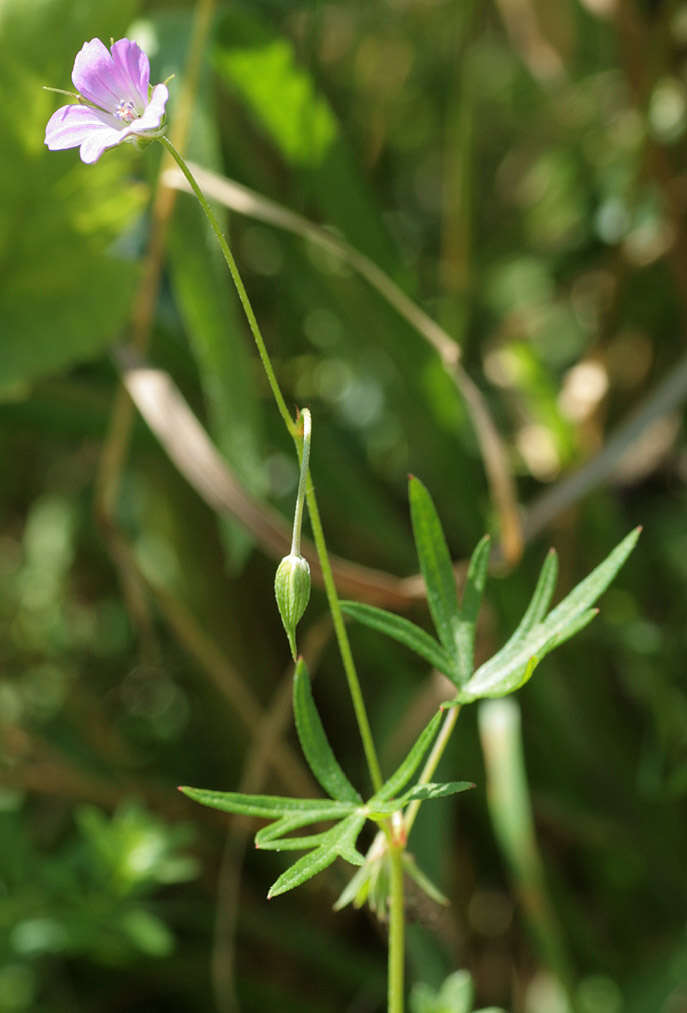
(118, 104)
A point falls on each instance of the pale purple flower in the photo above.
(118, 104)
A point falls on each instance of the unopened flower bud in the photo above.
(292, 590)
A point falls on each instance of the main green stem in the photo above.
(396, 970)
(342, 637)
(315, 522)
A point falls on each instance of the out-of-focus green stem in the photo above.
(511, 815)
(297, 436)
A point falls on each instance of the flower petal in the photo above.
(70, 126)
(94, 76)
(132, 69)
(98, 141)
(154, 112)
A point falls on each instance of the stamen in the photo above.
(126, 111)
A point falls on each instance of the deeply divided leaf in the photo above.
(469, 609)
(404, 632)
(541, 599)
(314, 742)
(339, 842)
(269, 806)
(514, 663)
(405, 771)
(435, 563)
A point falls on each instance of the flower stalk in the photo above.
(292, 580)
(302, 482)
(313, 511)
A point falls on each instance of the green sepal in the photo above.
(314, 742)
(370, 883)
(423, 881)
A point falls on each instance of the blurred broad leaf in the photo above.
(66, 291)
(218, 337)
(261, 67)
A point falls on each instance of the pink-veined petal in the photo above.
(70, 126)
(132, 70)
(93, 75)
(154, 111)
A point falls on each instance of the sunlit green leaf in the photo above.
(403, 631)
(541, 599)
(268, 806)
(506, 670)
(431, 791)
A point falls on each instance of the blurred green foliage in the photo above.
(518, 168)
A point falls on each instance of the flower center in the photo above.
(126, 111)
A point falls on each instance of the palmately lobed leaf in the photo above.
(407, 768)
(507, 670)
(269, 806)
(339, 842)
(469, 608)
(404, 632)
